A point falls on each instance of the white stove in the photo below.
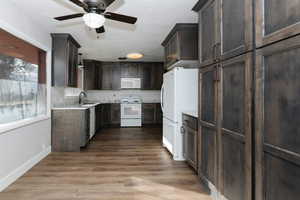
(131, 112)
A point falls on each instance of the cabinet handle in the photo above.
(182, 130)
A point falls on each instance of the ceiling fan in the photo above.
(95, 14)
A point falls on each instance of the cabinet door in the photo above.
(105, 115)
(115, 114)
(106, 69)
(276, 20)
(157, 76)
(116, 76)
(90, 75)
(208, 31)
(235, 159)
(236, 27)
(173, 49)
(147, 72)
(98, 117)
(72, 65)
(148, 113)
(277, 119)
(159, 114)
(191, 146)
(208, 150)
(130, 70)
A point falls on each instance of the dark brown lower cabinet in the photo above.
(277, 130)
(115, 114)
(189, 130)
(151, 114)
(225, 138)
(110, 115)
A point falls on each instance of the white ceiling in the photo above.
(155, 19)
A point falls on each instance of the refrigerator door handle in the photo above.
(162, 98)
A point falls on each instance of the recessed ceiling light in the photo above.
(135, 55)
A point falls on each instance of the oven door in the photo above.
(131, 111)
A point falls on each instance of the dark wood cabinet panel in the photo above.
(181, 45)
(189, 130)
(107, 75)
(236, 27)
(233, 168)
(148, 113)
(98, 117)
(105, 115)
(116, 76)
(208, 31)
(236, 136)
(64, 60)
(116, 114)
(151, 114)
(208, 146)
(151, 75)
(277, 128)
(276, 20)
(208, 166)
(208, 95)
(106, 83)
(130, 70)
(90, 75)
(159, 114)
(70, 130)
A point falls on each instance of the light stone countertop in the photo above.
(193, 113)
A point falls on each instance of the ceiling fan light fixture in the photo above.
(135, 55)
(93, 20)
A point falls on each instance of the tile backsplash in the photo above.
(69, 96)
(114, 96)
(64, 96)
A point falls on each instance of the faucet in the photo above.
(82, 95)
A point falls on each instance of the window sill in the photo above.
(4, 128)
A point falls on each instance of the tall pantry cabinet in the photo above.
(249, 53)
(277, 100)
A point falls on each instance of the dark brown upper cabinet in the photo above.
(64, 60)
(110, 77)
(236, 27)
(276, 20)
(130, 70)
(225, 30)
(107, 75)
(92, 69)
(181, 46)
(151, 75)
(208, 31)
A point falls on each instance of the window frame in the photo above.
(5, 128)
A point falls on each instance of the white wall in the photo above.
(21, 148)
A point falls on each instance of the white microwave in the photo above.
(130, 83)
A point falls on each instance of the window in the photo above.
(23, 92)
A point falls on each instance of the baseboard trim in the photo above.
(168, 145)
(20, 171)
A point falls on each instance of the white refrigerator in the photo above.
(179, 93)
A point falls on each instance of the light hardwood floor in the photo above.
(119, 164)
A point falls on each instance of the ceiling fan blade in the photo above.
(120, 18)
(100, 30)
(80, 4)
(62, 18)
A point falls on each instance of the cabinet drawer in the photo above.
(189, 121)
